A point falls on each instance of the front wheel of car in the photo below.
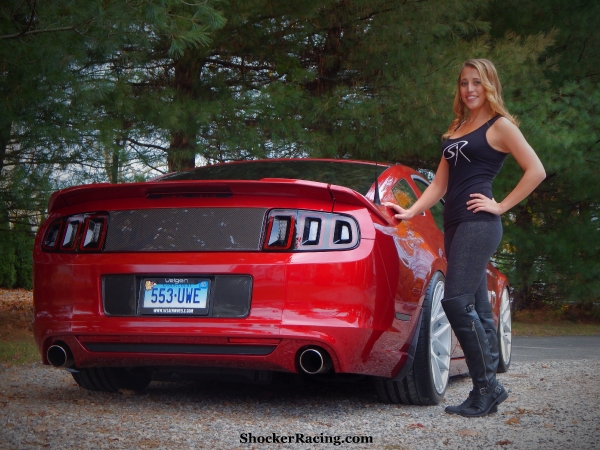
(426, 382)
(504, 333)
(111, 379)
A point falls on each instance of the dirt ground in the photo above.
(16, 313)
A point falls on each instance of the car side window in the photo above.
(404, 194)
(437, 210)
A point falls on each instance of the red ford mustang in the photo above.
(247, 268)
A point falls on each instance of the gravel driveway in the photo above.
(552, 405)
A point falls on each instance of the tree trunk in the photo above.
(182, 149)
(114, 170)
(4, 140)
(181, 154)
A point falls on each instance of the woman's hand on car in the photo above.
(401, 213)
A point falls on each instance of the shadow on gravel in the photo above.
(56, 386)
(283, 388)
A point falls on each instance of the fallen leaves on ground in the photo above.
(16, 313)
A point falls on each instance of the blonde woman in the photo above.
(473, 152)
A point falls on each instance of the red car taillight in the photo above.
(52, 236)
(300, 230)
(82, 232)
(94, 230)
(280, 230)
(71, 233)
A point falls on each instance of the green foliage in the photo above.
(334, 79)
(23, 202)
(554, 237)
(67, 100)
(8, 271)
(16, 268)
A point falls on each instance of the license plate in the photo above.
(175, 296)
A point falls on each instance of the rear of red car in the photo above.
(256, 275)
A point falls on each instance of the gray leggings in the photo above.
(469, 247)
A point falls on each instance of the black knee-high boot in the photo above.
(486, 317)
(487, 391)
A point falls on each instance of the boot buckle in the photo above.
(497, 391)
(485, 390)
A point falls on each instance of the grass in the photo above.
(19, 351)
(17, 345)
(562, 328)
(568, 321)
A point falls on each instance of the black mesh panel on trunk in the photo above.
(185, 230)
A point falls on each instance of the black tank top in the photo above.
(473, 165)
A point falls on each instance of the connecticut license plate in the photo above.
(175, 296)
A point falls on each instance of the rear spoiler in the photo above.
(210, 188)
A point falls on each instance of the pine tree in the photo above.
(343, 79)
(553, 238)
(63, 103)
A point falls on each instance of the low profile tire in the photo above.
(111, 379)
(504, 333)
(426, 382)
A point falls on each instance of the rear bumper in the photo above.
(352, 350)
(338, 301)
(278, 354)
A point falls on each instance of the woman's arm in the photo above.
(434, 192)
(506, 137)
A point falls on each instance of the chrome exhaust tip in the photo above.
(59, 355)
(314, 361)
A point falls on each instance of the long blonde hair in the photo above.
(493, 93)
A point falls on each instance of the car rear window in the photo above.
(355, 176)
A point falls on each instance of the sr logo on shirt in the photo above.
(453, 150)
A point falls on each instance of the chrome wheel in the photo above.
(505, 332)
(440, 340)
